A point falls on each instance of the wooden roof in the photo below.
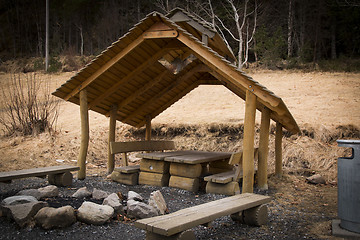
(159, 61)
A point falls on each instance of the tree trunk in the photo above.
(290, 29)
(333, 41)
(47, 37)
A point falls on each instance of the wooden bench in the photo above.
(247, 208)
(130, 174)
(227, 183)
(57, 175)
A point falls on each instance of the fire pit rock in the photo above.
(93, 213)
(114, 201)
(49, 218)
(21, 208)
(41, 193)
(82, 193)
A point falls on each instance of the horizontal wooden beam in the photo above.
(137, 146)
(161, 34)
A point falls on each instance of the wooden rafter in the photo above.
(198, 68)
(141, 90)
(106, 66)
(171, 102)
(226, 71)
(135, 72)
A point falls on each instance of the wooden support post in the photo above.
(278, 149)
(112, 128)
(263, 149)
(148, 128)
(248, 143)
(84, 116)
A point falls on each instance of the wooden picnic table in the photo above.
(181, 169)
(186, 157)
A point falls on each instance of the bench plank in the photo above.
(224, 177)
(198, 157)
(128, 169)
(184, 219)
(162, 155)
(135, 146)
(35, 172)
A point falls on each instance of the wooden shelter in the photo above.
(155, 64)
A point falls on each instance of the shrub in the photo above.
(54, 65)
(27, 106)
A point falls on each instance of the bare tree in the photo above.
(245, 29)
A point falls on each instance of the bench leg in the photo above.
(185, 235)
(61, 179)
(256, 216)
(125, 178)
(231, 188)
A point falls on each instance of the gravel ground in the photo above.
(286, 221)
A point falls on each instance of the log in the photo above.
(154, 166)
(125, 178)
(61, 179)
(112, 127)
(186, 170)
(248, 143)
(278, 150)
(148, 128)
(154, 179)
(263, 149)
(189, 184)
(84, 116)
(231, 188)
(255, 216)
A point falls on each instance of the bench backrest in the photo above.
(236, 158)
(138, 146)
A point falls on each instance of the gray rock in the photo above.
(316, 179)
(82, 193)
(157, 201)
(93, 213)
(30, 192)
(22, 214)
(135, 196)
(49, 218)
(114, 201)
(21, 199)
(140, 210)
(49, 191)
(99, 194)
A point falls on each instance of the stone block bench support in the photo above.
(130, 174)
(247, 208)
(57, 175)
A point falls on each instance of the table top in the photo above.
(188, 157)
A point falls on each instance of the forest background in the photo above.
(275, 34)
